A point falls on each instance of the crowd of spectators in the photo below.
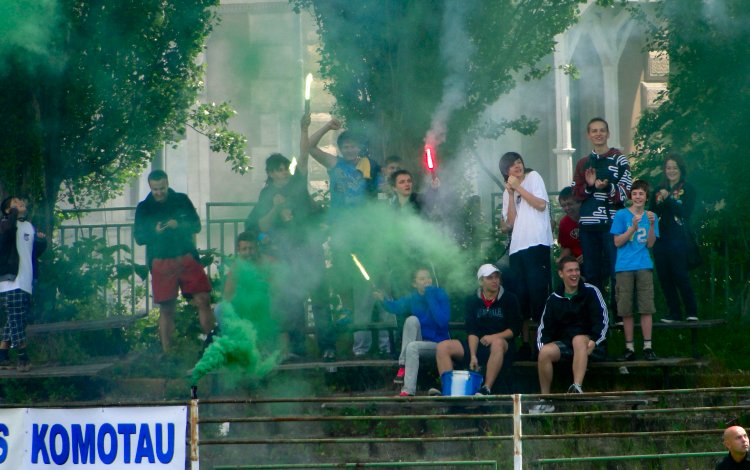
(610, 225)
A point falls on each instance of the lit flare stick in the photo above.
(434, 274)
(293, 165)
(308, 84)
(361, 268)
(430, 161)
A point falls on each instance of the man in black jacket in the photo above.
(166, 222)
(573, 323)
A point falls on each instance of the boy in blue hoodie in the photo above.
(428, 311)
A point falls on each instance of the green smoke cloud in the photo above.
(249, 335)
(389, 241)
(26, 29)
(386, 242)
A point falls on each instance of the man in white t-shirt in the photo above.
(19, 244)
(526, 213)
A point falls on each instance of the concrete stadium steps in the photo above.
(360, 428)
(38, 371)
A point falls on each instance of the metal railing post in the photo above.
(208, 234)
(517, 433)
(194, 436)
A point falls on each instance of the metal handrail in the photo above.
(609, 458)
(517, 417)
(435, 463)
(222, 223)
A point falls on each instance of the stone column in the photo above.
(564, 146)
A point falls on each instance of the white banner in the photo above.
(139, 438)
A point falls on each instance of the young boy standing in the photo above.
(567, 234)
(353, 183)
(635, 230)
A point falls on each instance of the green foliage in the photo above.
(75, 279)
(212, 120)
(494, 129)
(571, 70)
(382, 60)
(702, 116)
(60, 390)
(89, 263)
(97, 93)
(144, 335)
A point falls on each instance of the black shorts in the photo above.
(483, 354)
(566, 350)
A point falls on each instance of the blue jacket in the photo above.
(432, 309)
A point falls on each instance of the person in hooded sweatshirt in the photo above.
(166, 222)
(602, 183)
(428, 312)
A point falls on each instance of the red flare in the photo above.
(429, 157)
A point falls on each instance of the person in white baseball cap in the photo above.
(493, 319)
(485, 270)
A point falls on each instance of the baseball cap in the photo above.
(486, 269)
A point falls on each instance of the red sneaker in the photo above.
(400, 376)
(404, 394)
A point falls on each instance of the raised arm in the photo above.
(583, 186)
(8, 223)
(652, 228)
(324, 158)
(144, 227)
(536, 197)
(304, 144)
(624, 237)
(621, 231)
(619, 191)
(509, 209)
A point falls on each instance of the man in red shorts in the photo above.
(166, 223)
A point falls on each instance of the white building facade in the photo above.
(258, 55)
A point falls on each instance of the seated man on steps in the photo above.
(573, 323)
(493, 320)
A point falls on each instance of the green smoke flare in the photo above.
(249, 336)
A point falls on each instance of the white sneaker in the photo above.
(575, 388)
(433, 392)
(691, 318)
(541, 408)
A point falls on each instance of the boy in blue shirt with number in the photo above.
(635, 230)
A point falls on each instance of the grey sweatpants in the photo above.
(413, 349)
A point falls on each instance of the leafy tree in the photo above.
(703, 116)
(386, 67)
(91, 90)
